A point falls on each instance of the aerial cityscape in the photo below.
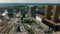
(17, 18)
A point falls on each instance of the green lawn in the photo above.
(30, 31)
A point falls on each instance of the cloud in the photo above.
(29, 1)
(12, 1)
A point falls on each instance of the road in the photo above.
(17, 22)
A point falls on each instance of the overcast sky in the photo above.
(29, 1)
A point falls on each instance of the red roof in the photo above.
(52, 22)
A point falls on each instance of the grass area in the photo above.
(30, 31)
(51, 32)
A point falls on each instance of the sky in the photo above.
(29, 1)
